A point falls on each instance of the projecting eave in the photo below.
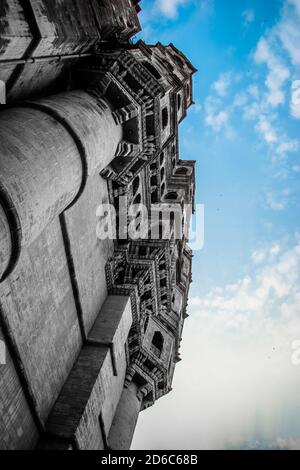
(189, 64)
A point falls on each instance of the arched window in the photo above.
(161, 385)
(157, 343)
(178, 102)
(146, 323)
(153, 180)
(135, 185)
(162, 174)
(154, 197)
(165, 117)
(152, 69)
(172, 196)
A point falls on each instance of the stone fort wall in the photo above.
(33, 29)
(92, 327)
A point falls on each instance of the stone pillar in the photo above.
(84, 410)
(47, 150)
(124, 422)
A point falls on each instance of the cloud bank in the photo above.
(170, 8)
(238, 383)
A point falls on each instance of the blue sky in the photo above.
(237, 386)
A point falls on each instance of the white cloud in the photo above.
(267, 126)
(216, 116)
(260, 103)
(222, 84)
(217, 121)
(248, 16)
(278, 73)
(236, 383)
(288, 443)
(274, 250)
(240, 99)
(170, 8)
(276, 202)
(287, 147)
(154, 10)
(253, 91)
(295, 99)
(275, 279)
(258, 256)
(279, 200)
(267, 131)
(290, 36)
(251, 111)
(283, 37)
(296, 5)
(288, 30)
(295, 110)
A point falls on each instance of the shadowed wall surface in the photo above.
(92, 325)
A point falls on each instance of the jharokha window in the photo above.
(165, 117)
(178, 102)
(157, 343)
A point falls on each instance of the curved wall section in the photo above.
(40, 169)
(47, 149)
(92, 120)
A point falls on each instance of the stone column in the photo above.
(125, 419)
(84, 409)
(47, 150)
